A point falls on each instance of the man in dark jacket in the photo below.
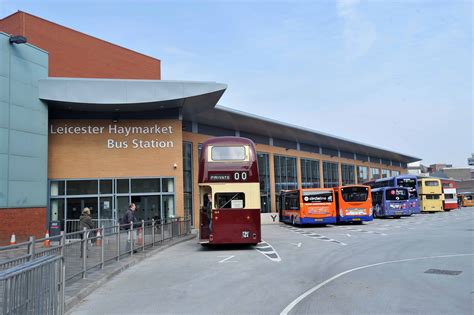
(130, 218)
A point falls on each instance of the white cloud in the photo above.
(359, 33)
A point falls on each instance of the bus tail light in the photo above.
(211, 238)
(340, 212)
(404, 206)
(413, 204)
(371, 211)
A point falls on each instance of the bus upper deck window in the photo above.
(229, 153)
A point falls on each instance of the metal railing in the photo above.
(88, 250)
(74, 225)
(34, 287)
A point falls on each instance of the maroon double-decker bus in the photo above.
(229, 192)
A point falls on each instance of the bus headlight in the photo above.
(371, 211)
(340, 212)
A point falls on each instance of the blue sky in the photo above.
(384, 73)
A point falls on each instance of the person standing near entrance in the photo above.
(130, 215)
(128, 220)
(208, 209)
(85, 222)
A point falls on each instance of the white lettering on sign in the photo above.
(126, 131)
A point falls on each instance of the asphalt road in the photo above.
(417, 265)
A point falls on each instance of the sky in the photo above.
(396, 75)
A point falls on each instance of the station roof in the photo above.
(197, 102)
(225, 117)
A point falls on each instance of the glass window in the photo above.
(310, 177)
(123, 186)
(57, 209)
(431, 183)
(264, 178)
(432, 197)
(148, 185)
(235, 200)
(188, 179)
(82, 187)
(105, 186)
(317, 196)
(385, 173)
(396, 194)
(285, 173)
(348, 176)
(168, 207)
(363, 174)
(330, 174)
(228, 153)
(395, 173)
(355, 194)
(374, 173)
(57, 188)
(168, 185)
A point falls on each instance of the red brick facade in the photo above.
(24, 222)
(77, 55)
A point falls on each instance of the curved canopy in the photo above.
(104, 95)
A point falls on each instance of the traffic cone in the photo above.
(46, 242)
(140, 237)
(98, 240)
(13, 239)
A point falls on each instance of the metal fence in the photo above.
(34, 287)
(88, 250)
(74, 225)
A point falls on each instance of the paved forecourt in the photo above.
(418, 264)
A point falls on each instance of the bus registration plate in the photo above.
(355, 211)
(317, 211)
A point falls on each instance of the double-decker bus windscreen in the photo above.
(355, 194)
(409, 183)
(317, 196)
(396, 194)
(230, 153)
(230, 200)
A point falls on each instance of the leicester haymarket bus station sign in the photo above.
(131, 133)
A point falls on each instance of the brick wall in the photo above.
(77, 55)
(24, 222)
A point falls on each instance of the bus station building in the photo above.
(86, 123)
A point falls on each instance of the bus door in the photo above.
(205, 208)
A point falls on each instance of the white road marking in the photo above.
(297, 245)
(313, 235)
(270, 254)
(227, 259)
(348, 235)
(314, 289)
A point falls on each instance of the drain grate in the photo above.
(443, 272)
